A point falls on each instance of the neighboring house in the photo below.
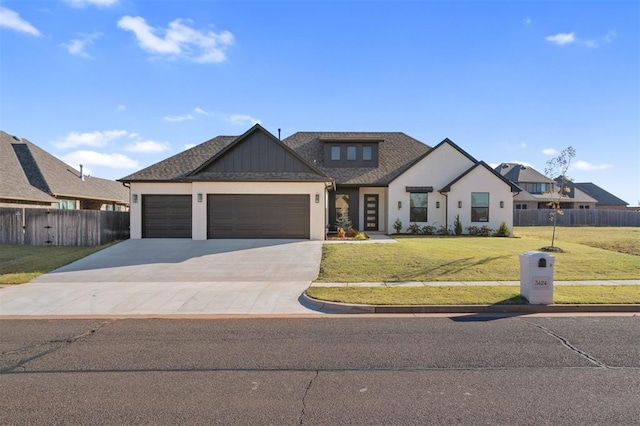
(256, 186)
(31, 177)
(605, 200)
(536, 189)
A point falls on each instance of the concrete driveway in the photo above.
(175, 276)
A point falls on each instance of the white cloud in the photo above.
(243, 119)
(179, 40)
(201, 111)
(83, 3)
(10, 19)
(561, 38)
(189, 145)
(148, 147)
(122, 107)
(92, 158)
(95, 139)
(77, 46)
(179, 117)
(585, 165)
(550, 151)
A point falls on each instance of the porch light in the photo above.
(317, 198)
(437, 204)
(459, 204)
(199, 197)
(502, 204)
(399, 205)
(134, 198)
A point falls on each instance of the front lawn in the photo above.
(589, 254)
(20, 264)
(473, 295)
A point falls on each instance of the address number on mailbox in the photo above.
(541, 283)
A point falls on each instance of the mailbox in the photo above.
(536, 277)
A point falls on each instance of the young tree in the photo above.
(558, 166)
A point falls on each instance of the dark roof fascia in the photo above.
(362, 185)
(353, 139)
(239, 139)
(265, 180)
(514, 188)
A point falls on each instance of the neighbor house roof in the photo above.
(602, 196)
(520, 173)
(514, 188)
(396, 153)
(27, 172)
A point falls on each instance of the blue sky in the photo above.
(120, 84)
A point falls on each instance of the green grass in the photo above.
(493, 295)
(20, 264)
(589, 254)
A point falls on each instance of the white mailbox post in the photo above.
(536, 277)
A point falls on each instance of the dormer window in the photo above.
(351, 153)
(335, 153)
(366, 153)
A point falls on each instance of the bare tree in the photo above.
(558, 166)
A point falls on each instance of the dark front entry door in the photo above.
(371, 212)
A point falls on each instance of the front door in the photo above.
(371, 212)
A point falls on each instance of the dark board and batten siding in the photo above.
(258, 153)
(166, 216)
(258, 216)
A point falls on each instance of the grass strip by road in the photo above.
(589, 254)
(473, 295)
(20, 264)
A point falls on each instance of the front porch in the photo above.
(365, 207)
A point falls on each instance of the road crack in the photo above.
(304, 397)
(44, 349)
(568, 345)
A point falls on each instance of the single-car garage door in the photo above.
(258, 216)
(166, 216)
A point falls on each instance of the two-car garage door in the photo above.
(228, 216)
(257, 216)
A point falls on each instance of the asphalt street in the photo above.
(469, 369)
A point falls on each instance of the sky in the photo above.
(117, 85)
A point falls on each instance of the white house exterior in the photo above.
(256, 186)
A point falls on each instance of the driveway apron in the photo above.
(175, 276)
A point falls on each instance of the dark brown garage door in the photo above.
(166, 216)
(258, 216)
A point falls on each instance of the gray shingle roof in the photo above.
(602, 196)
(519, 173)
(397, 152)
(27, 172)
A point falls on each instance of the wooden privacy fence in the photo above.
(41, 227)
(577, 217)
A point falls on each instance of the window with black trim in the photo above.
(418, 207)
(335, 153)
(367, 153)
(351, 153)
(479, 207)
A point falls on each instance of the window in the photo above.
(584, 207)
(479, 207)
(418, 207)
(351, 153)
(537, 188)
(366, 153)
(342, 211)
(65, 205)
(521, 206)
(335, 153)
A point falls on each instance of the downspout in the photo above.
(446, 209)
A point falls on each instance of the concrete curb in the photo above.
(346, 308)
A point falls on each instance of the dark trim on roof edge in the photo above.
(514, 188)
(239, 139)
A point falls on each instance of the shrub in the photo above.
(361, 236)
(397, 225)
(341, 232)
(428, 230)
(414, 229)
(483, 231)
(503, 230)
(351, 233)
(442, 230)
(457, 225)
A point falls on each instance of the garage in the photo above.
(166, 216)
(258, 216)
